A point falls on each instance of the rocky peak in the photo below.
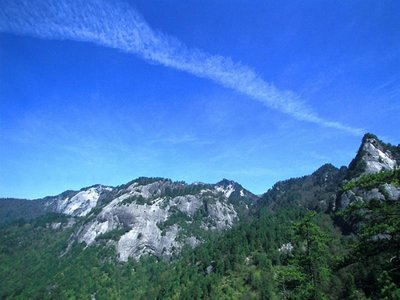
(234, 191)
(226, 182)
(76, 203)
(373, 156)
(325, 169)
(326, 174)
(155, 216)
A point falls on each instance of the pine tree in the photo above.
(307, 274)
(377, 248)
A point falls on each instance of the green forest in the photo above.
(288, 253)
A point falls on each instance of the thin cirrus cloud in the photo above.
(117, 25)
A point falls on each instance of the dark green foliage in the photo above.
(114, 234)
(238, 264)
(357, 165)
(308, 273)
(29, 256)
(39, 261)
(183, 190)
(314, 191)
(241, 263)
(15, 209)
(149, 180)
(375, 256)
(373, 180)
(177, 217)
(143, 181)
(377, 248)
(139, 199)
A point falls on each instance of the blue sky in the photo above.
(254, 91)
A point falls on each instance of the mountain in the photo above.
(148, 215)
(316, 191)
(74, 203)
(161, 212)
(333, 234)
(323, 189)
(77, 204)
(373, 157)
(19, 209)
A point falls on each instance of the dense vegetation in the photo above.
(284, 251)
(377, 249)
(243, 263)
(14, 209)
(369, 181)
(314, 192)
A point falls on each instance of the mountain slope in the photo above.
(19, 209)
(153, 238)
(373, 156)
(316, 191)
(323, 190)
(149, 215)
(160, 217)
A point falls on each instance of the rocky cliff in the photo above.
(324, 190)
(373, 157)
(158, 216)
(150, 215)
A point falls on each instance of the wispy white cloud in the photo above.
(176, 140)
(117, 25)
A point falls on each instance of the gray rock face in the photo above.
(158, 217)
(187, 204)
(382, 193)
(76, 203)
(392, 192)
(385, 192)
(359, 195)
(375, 158)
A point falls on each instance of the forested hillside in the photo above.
(323, 236)
(288, 254)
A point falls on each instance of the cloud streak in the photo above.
(117, 25)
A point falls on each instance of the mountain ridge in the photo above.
(154, 238)
(150, 215)
(155, 215)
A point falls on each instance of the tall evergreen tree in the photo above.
(307, 274)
